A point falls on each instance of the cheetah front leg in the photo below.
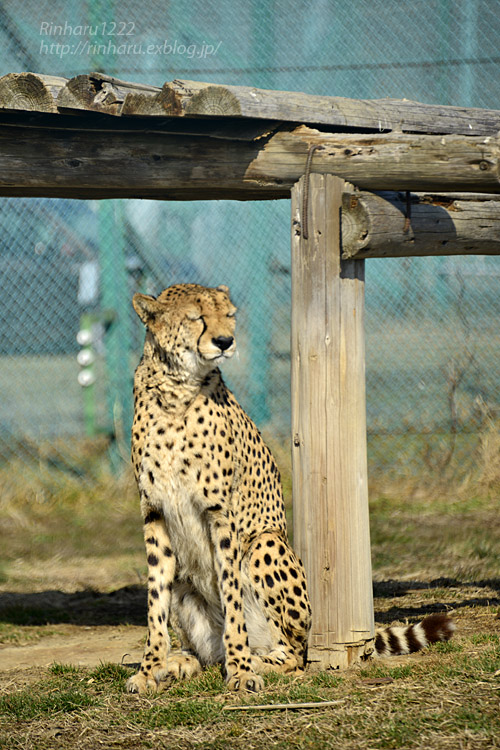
(239, 673)
(161, 570)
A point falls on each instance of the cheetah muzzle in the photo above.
(220, 569)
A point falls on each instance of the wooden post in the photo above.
(330, 496)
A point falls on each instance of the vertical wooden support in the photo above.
(330, 495)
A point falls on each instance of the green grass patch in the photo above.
(384, 669)
(187, 713)
(209, 682)
(326, 680)
(448, 647)
(27, 704)
(60, 670)
(109, 673)
(479, 639)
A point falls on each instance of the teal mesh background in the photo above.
(432, 343)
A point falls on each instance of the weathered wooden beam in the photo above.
(396, 225)
(30, 92)
(389, 161)
(188, 99)
(200, 99)
(330, 495)
(181, 98)
(93, 163)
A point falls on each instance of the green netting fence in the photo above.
(68, 337)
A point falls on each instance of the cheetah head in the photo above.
(190, 327)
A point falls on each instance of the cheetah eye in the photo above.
(194, 315)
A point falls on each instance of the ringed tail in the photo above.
(410, 638)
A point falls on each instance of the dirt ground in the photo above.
(93, 611)
(82, 646)
(83, 613)
(90, 612)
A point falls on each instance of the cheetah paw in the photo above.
(245, 682)
(179, 667)
(141, 683)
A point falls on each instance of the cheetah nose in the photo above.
(223, 342)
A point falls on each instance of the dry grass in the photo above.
(43, 510)
(70, 568)
(447, 698)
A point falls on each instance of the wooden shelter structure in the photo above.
(366, 179)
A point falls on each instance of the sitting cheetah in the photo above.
(220, 565)
(220, 568)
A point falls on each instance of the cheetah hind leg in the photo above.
(279, 593)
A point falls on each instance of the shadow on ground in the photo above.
(459, 595)
(127, 605)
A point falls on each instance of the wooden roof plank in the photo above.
(202, 99)
(98, 92)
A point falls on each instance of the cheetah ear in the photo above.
(146, 307)
(223, 288)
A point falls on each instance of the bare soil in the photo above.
(79, 645)
(66, 614)
(90, 612)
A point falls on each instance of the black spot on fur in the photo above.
(152, 516)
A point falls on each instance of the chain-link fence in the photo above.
(70, 267)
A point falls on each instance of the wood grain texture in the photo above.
(383, 162)
(42, 159)
(374, 225)
(189, 99)
(29, 92)
(376, 115)
(331, 526)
